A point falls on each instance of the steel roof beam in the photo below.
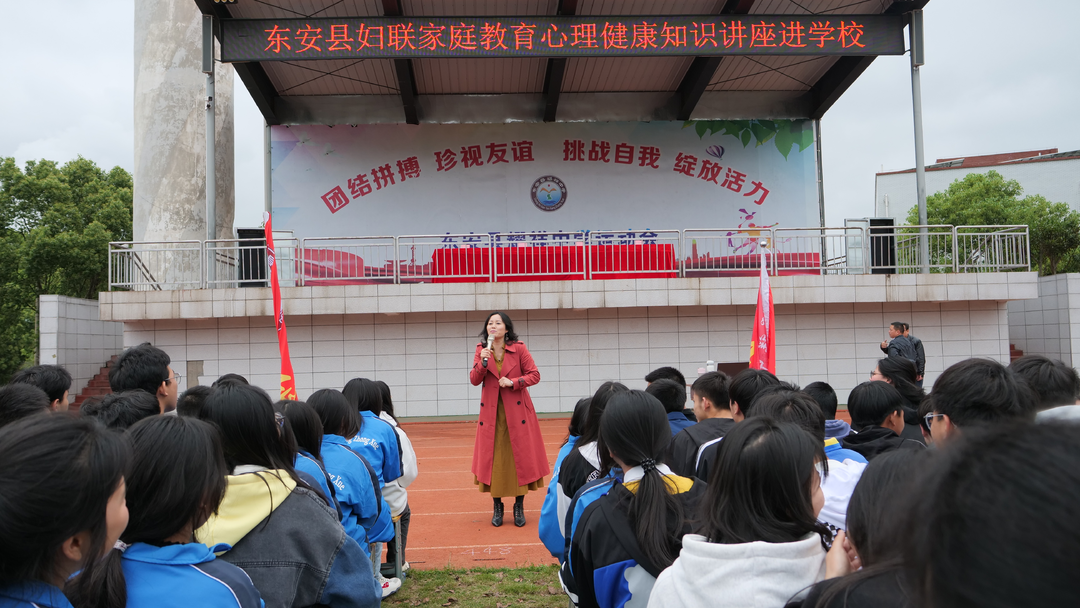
(834, 83)
(700, 73)
(404, 69)
(556, 69)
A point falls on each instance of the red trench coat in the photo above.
(530, 458)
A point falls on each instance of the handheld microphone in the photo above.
(490, 338)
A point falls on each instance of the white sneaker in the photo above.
(405, 567)
(389, 585)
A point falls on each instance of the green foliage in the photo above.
(989, 199)
(55, 226)
(783, 133)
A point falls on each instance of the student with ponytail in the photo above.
(177, 481)
(306, 435)
(61, 509)
(282, 532)
(625, 539)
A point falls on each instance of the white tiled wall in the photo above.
(1044, 326)
(425, 357)
(70, 334)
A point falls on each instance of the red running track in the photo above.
(451, 519)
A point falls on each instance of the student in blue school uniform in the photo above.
(306, 438)
(628, 536)
(549, 527)
(177, 480)
(49, 531)
(364, 512)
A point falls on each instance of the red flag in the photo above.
(288, 382)
(762, 348)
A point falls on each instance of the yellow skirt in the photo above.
(503, 472)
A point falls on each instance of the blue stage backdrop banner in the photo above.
(402, 179)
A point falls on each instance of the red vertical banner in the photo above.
(288, 382)
(763, 346)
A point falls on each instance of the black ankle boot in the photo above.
(519, 514)
(497, 517)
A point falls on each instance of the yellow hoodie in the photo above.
(251, 496)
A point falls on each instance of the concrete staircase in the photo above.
(97, 387)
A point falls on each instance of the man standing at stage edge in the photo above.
(899, 345)
(920, 354)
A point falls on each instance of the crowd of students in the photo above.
(758, 496)
(216, 497)
(755, 496)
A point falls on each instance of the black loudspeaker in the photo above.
(882, 245)
(251, 258)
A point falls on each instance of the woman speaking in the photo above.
(509, 457)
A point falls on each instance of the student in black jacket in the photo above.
(877, 419)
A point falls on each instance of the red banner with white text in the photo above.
(288, 380)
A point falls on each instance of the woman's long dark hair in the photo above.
(177, 478)
(307, 428)
(338, 416)
(577, 419)
(590, 430)
(364, 395)
(634, 428)
(58, 473)
(250, 433)
(510, 337)
(902, 373)
(759, 489)
(387, 399)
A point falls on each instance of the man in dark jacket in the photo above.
(920, 354)
(877, 419)
(897, 345)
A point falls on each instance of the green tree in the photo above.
(55, 226)
(989, 199)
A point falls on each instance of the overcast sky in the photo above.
(1000, 76)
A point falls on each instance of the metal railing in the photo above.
(580, 255)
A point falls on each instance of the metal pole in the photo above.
(268, 193)
(822, 262)
(915, 32)
(211, 169)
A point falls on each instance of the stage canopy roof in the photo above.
(466, 61)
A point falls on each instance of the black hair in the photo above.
(760, 486)
(510, 336)
(898, 325)
(669, 393)
(825, 396)
(364, 395)
(191, 401)
(666, 373)
(307, 427)
(634, 428)
(177, 479)
(121, 410)
(590, 431)
(250, 432)
(877, 517)
(577, 419)
(229, 378)
(902, 374)
(144, 367)
(1054, 382)
(338, 416)
(387, 399)
(52, 379)
(17, 401)
(981, 391)
(714, 386)
(871, 402)
(58, 473)
(795, 407)
(997, 523)
(746, 384)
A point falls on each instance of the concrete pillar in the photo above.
(170, 126)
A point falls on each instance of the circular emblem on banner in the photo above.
(548, 193)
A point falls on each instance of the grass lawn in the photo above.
(531, 586)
